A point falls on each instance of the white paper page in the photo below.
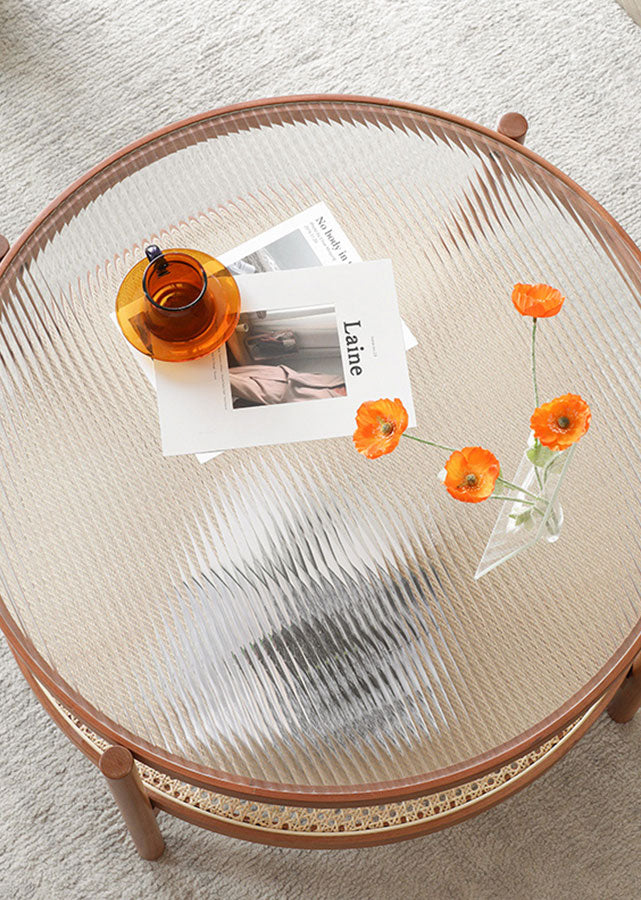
(310, 238)
(348, 313)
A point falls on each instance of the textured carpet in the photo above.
(633, 8)
(79, 78)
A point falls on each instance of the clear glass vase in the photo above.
(532, 511)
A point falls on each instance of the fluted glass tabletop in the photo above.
(300, 618)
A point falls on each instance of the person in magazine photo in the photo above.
(285, 356)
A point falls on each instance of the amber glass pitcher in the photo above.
(177, 304)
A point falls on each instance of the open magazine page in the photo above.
(311, 346)
(310, 238)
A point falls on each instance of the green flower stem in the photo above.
(536, 389)
(512, 500)
(540, 480)
(532, 503)
(538, 476)
(429, 443)
(515, 487)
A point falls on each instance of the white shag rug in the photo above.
(80, 78)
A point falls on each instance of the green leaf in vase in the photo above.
(540, 456)
(555, 464)
(521, 518)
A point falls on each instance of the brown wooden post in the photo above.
(513, 125)
(118, 766)
(4, 246)
(627, 699)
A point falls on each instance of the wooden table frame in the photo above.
(617, 686)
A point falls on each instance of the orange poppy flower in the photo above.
(470, 474)
(537, 300)
(379, 426)
(561, 422)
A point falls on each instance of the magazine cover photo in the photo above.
(285, 356)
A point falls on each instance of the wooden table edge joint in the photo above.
(513, 125)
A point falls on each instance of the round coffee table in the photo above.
(290, 642)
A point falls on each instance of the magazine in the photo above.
(311, 238)
(311, 345)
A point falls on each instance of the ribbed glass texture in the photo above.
(301, 615)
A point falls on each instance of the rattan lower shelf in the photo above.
(323, 827)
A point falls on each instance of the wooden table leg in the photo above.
(118, 767)
(627, 699)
